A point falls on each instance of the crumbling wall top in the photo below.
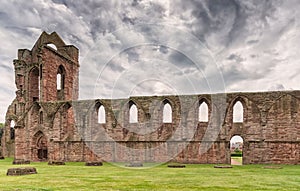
(46, 40)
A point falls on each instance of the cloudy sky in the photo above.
(147, 47)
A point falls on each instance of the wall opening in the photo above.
(60, 82)
(167, 113)
(52, 46)
(12, 130)
(40, 149)
(238, 112)
(101, 114)
(133, 113)
(236, 150)
(203, 112)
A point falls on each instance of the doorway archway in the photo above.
(236, 150)
(40, 147)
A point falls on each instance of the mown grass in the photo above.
(76, 176)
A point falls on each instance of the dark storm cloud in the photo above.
(206, 17)
(115, 66)
(133, 55)
(180, 60)
(236, 58)
(163, 49)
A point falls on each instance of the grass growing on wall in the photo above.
(76, 176)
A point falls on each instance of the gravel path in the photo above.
(235, 162)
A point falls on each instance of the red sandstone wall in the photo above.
(113, 142)
(268, 138)
(51, 61)
(271, 126)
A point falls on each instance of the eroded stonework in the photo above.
(51, 124)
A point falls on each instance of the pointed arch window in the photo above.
(167, 113)
(12, 129)
(203, 112)
(238, 112)
(133, 113)
(60, 82)
(101, 114)
(60, 78)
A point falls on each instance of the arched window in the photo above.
(133, 113)
(60, 82)
(238, 112)
(101, 115)
(60, 78)
(52, 46)
(203, 112)
(167, 113)
(12, 129)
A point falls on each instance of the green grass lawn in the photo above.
(76, 176)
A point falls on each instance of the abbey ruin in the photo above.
(46, 121)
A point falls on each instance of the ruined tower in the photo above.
(46, 73)
(49, 72)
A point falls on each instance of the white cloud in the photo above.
(254, 45)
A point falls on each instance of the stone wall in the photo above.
(52, 124)
(270, 130)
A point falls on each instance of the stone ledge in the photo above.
(21, 171)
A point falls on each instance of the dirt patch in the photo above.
(273, 167)
(235, 162)
(222, 166)
(97, 163)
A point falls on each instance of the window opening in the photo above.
(167, 113)
(238, 112)
(133, 114)
(203, 112)
(101, 114)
